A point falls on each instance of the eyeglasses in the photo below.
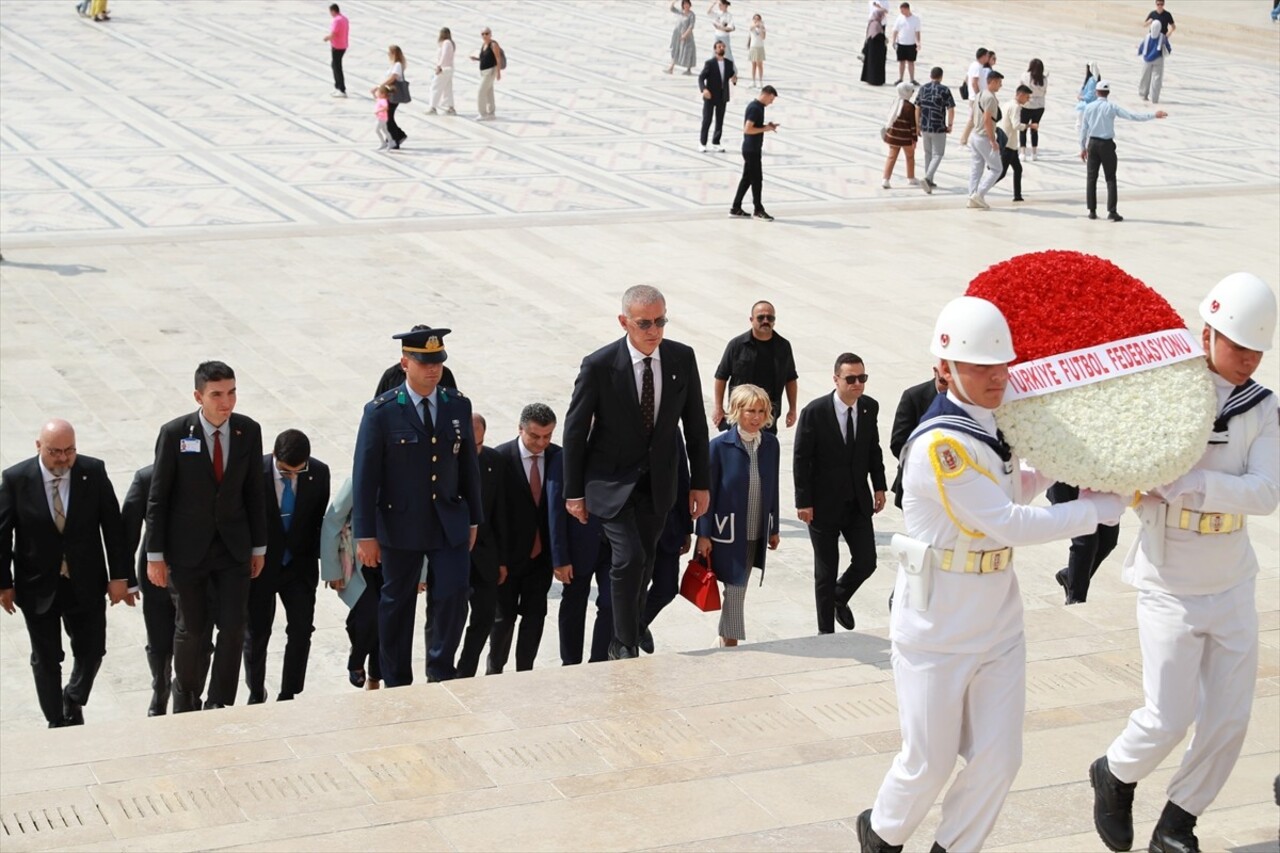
(293, 472)
(646, 325)
(765, 318)
(63, 451)
(856, 379)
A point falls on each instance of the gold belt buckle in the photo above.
(994, 560)
(1218, 522)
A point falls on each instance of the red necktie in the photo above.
(217, 456)
(535, 486)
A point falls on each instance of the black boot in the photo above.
(1175, 832)
(161, 675)
(938, 848)
(869, 841)
(1112, 806)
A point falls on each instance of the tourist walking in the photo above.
(442, 83)
(1035, 79)
(1153, 49)
(394, 75)
(984, 147)
(901, 130)
(491, 62)
(339, 28)
(937, 110)
(683, 51)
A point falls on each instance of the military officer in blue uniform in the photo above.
(417, 497)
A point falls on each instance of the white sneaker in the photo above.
(431, 111)
(719, 149)
(915, 182)
(927, 187)
(702, 148)
(1034, 156)
(886, 185)
(451, 112)
(337, 94)
(978, 203)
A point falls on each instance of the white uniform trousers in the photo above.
(948, 705)
(1199, 664)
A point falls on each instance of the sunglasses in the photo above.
(645, 325)
(766, 318)
(855, 379)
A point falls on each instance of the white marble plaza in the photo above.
(177, 185)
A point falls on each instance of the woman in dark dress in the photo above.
(874, 50)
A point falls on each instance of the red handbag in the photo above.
(699, 585)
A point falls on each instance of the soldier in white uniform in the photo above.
(1194, 568)
(959, 655)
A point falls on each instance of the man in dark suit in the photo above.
(57, 511)
(714, 81)
(488, 569)
(580, 552)
(297, 496)
(911, 408)
(837, 449)
(157, 605)
(532, 461)
(207, 534)
(416, 488)
(619, 449)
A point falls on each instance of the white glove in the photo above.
(1190, 483)
(1108, 506)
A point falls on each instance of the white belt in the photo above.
(1206, 522)
(980, 562)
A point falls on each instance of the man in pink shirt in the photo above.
(337, 39)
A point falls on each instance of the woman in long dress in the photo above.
(683, 52)
(874, 49)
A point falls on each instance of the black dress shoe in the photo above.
(1093, 215)
(762, 214)
(72, 715)
(256, 699)
(1175, 832)
(356, 677)
(210, 705)
(869, 841)
(285, 697)
(617, 651)
(1112, 806)
(937, 848)
(646, 641)
(1115, 217)
(739, 213)
(844, 615)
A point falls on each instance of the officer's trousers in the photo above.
(1199, 664)
(953, 705)
(397, 609)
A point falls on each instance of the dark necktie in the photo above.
(535, 488)
(848, 427)
(287, 500)
(646, 396)
(217, 456)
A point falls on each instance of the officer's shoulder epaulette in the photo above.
(384, 397)
(446, 393)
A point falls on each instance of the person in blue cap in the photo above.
(417, 497)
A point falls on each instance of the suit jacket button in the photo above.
(433, 439)
(434, 478)
(435, 459)
(433, 496)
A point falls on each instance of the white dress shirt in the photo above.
(637, 365)
(841, 413)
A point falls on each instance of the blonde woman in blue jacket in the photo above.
(744, 503)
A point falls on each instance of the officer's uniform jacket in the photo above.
(956, 483)
(1241, 470)
(416, 487)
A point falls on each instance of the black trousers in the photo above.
(711, 107)
(362, 627)
(523, 597)
(753, 177)
(1030, 117)
(633, 539)
(159, 616)
(335, 59)
(1102, 152)
(1088, 551)
(573, 611)
(397, 608)
(665, 585)
(1009, 157)
(860, 537)
(214, 591)
(484, 607)
(392, 128)
(295, 585)
(86, 624)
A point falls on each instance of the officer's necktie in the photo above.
(287, 500)
(848, 427)
(535, 487)
(217, 456)
(646, 396)
(60, 520)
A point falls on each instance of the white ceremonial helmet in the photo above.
(973, 330)
(1243, 308)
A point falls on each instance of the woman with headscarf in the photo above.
(1154, 48)
(874, 49)
(1088, 90)
(901, 130)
